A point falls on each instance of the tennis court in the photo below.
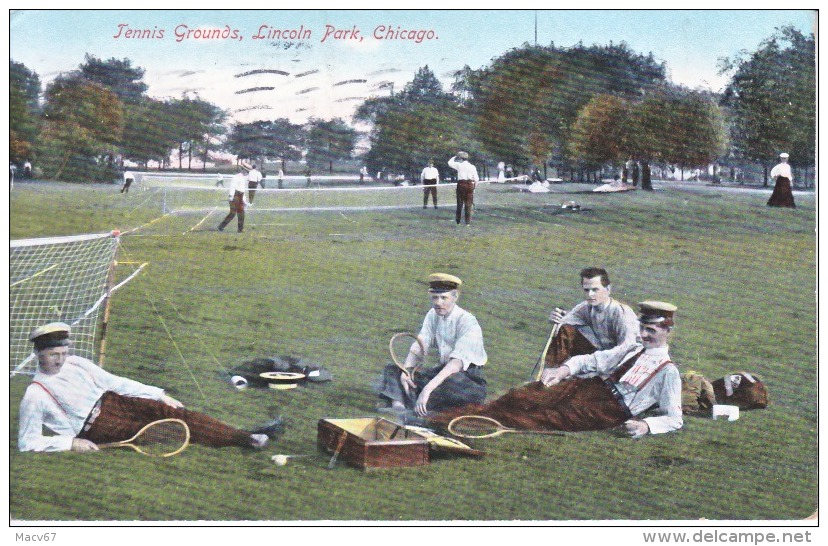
(332, 279)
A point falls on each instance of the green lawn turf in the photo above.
(333, 287)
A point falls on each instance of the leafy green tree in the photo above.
(420, 123)
(329, 141)
(534, 94)
(148, 134)
(674, 126)
(260, 140)
(118, 75)
(83, 122)
(24, 111)
(197, 124)
(598, 132)
(772, 97)
(406, 139)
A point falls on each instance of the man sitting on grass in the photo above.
(458, 378)
(86, 406)
(637, 383)
(593, 335)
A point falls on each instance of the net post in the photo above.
(110, 281)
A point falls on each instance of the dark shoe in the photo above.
(273, 429)
(220, 228)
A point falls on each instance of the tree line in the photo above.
(578, 109)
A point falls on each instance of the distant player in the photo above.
(129, 178)
(430, 177)
(219, 180)
(237, 200)
(466, 181)
(254, 178)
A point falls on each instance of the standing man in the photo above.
(12, 171)
(84, 405)
(639, 381)
(782, 195)
(27, 169)
(237, 199)
(363, 172)
(129, 178)
(430, 177)
(466, 182)
(219, 180)
(593, 335)
(458, 378)
(254, 178)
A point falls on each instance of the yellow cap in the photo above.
(443, 282)
(54, 334)
(657, 312)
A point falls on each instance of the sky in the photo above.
(266, 64)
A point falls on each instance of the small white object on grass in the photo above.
(729, 412)
(280, 460)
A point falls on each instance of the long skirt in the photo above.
(782, 195)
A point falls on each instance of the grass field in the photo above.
(333, 287)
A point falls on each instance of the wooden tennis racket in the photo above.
(400, 345)
(537, 371)
(163, 438)
(478, 426)
(339, 446)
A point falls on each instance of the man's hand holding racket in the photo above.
(553, 376)
(82, 445)
(415, 356)
(557, 315)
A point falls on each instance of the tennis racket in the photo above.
(400, 345)
(338, 449)
(537, 371)
(478, 426)
(163, 438)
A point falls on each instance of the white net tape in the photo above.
(57, 279)
(189, 198)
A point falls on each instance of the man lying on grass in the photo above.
(85, 405)
(588, 401)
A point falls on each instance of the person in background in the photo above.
(466, 182)
(430, 177)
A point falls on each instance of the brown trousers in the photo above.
(236, 207)
(465, 198)
(117, 418)
(572, 405)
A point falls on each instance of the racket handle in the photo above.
(339, 445)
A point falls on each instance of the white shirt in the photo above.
(254, 176)
(465, 170)
(128, 176)
(430, 173)
(782, 169)
(237, 183)
(613, 330)
(663, 390)
(72, 393)
(457, 335)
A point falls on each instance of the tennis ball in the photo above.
(280, 460)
